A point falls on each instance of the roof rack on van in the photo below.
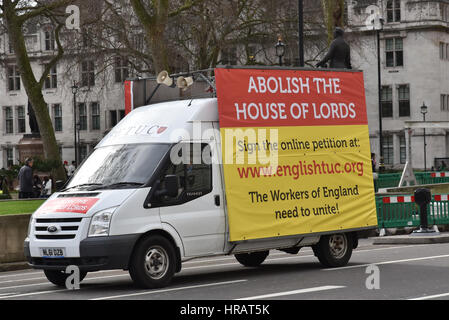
(181, 80)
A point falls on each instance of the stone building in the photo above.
(414, 46)
(99, 100)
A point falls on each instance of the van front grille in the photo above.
(58, 220)
(62, 228)
(56, 237)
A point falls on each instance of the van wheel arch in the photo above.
(164, 234)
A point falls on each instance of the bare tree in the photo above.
(15, 14)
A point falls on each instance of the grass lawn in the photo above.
(19, 207)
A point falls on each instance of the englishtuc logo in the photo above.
(139, 130)
(77, 205)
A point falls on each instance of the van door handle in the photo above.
(217, 200)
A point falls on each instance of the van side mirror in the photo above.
(171, 187)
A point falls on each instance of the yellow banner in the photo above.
(283, 181)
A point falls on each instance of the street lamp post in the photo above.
(74, 92)
(424, 112)
(301, 32)
(378, 26)
(280, 50)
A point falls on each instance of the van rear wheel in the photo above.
(252, 259)
(334, 250)
(59, 277)
(153, 263)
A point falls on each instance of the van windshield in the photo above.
(119, 166)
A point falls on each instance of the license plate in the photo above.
(52, 252)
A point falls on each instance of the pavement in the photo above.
(375, 272)
(414, 238)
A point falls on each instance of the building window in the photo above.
(82, 152)
(444, 102)
(13, 78)
(394, 52)
(393, 10)
(121, 69)
(404, 100)
(88, 74)
(444, 51)
(387, 102)
(402, 150)
(387, 146)
(229, 56)
(50, 40)
(115, 116)
(82, 112)
(57, 117)
(95, 114)
(9, 157)
(444, 12)
(21, 128)
(10, 46)
(51, 82)
(9, 121)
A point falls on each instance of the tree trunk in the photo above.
(154, 26)
(333, 15)
(34, 90)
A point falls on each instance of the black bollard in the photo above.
(422, 198)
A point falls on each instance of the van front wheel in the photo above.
(153, 263)
(334, 250)
(252, 259)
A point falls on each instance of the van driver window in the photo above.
(194, 175)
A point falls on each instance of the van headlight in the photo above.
(100, 223)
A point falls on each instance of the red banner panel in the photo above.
(74, 205)
(273, 98)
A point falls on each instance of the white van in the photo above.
(129, 207)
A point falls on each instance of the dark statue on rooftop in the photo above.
(339, 53)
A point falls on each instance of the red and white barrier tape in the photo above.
(408, 199)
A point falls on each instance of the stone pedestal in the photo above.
(30, 146)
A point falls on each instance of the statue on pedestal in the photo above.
(33, 122)
(339, 53)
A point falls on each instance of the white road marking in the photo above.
(20, 274)
(22, 280)
(30, 294)
(48, 283)
(6, 294)
(432, 297)
(387, 262)
(168, 290)
(235, 263)
(289, 293)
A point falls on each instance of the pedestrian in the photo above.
(71, 169)
(46, 188)
(26, 180)
(373, 161)
(37, 186)
(66, 168)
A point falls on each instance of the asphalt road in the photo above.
(405, 272)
